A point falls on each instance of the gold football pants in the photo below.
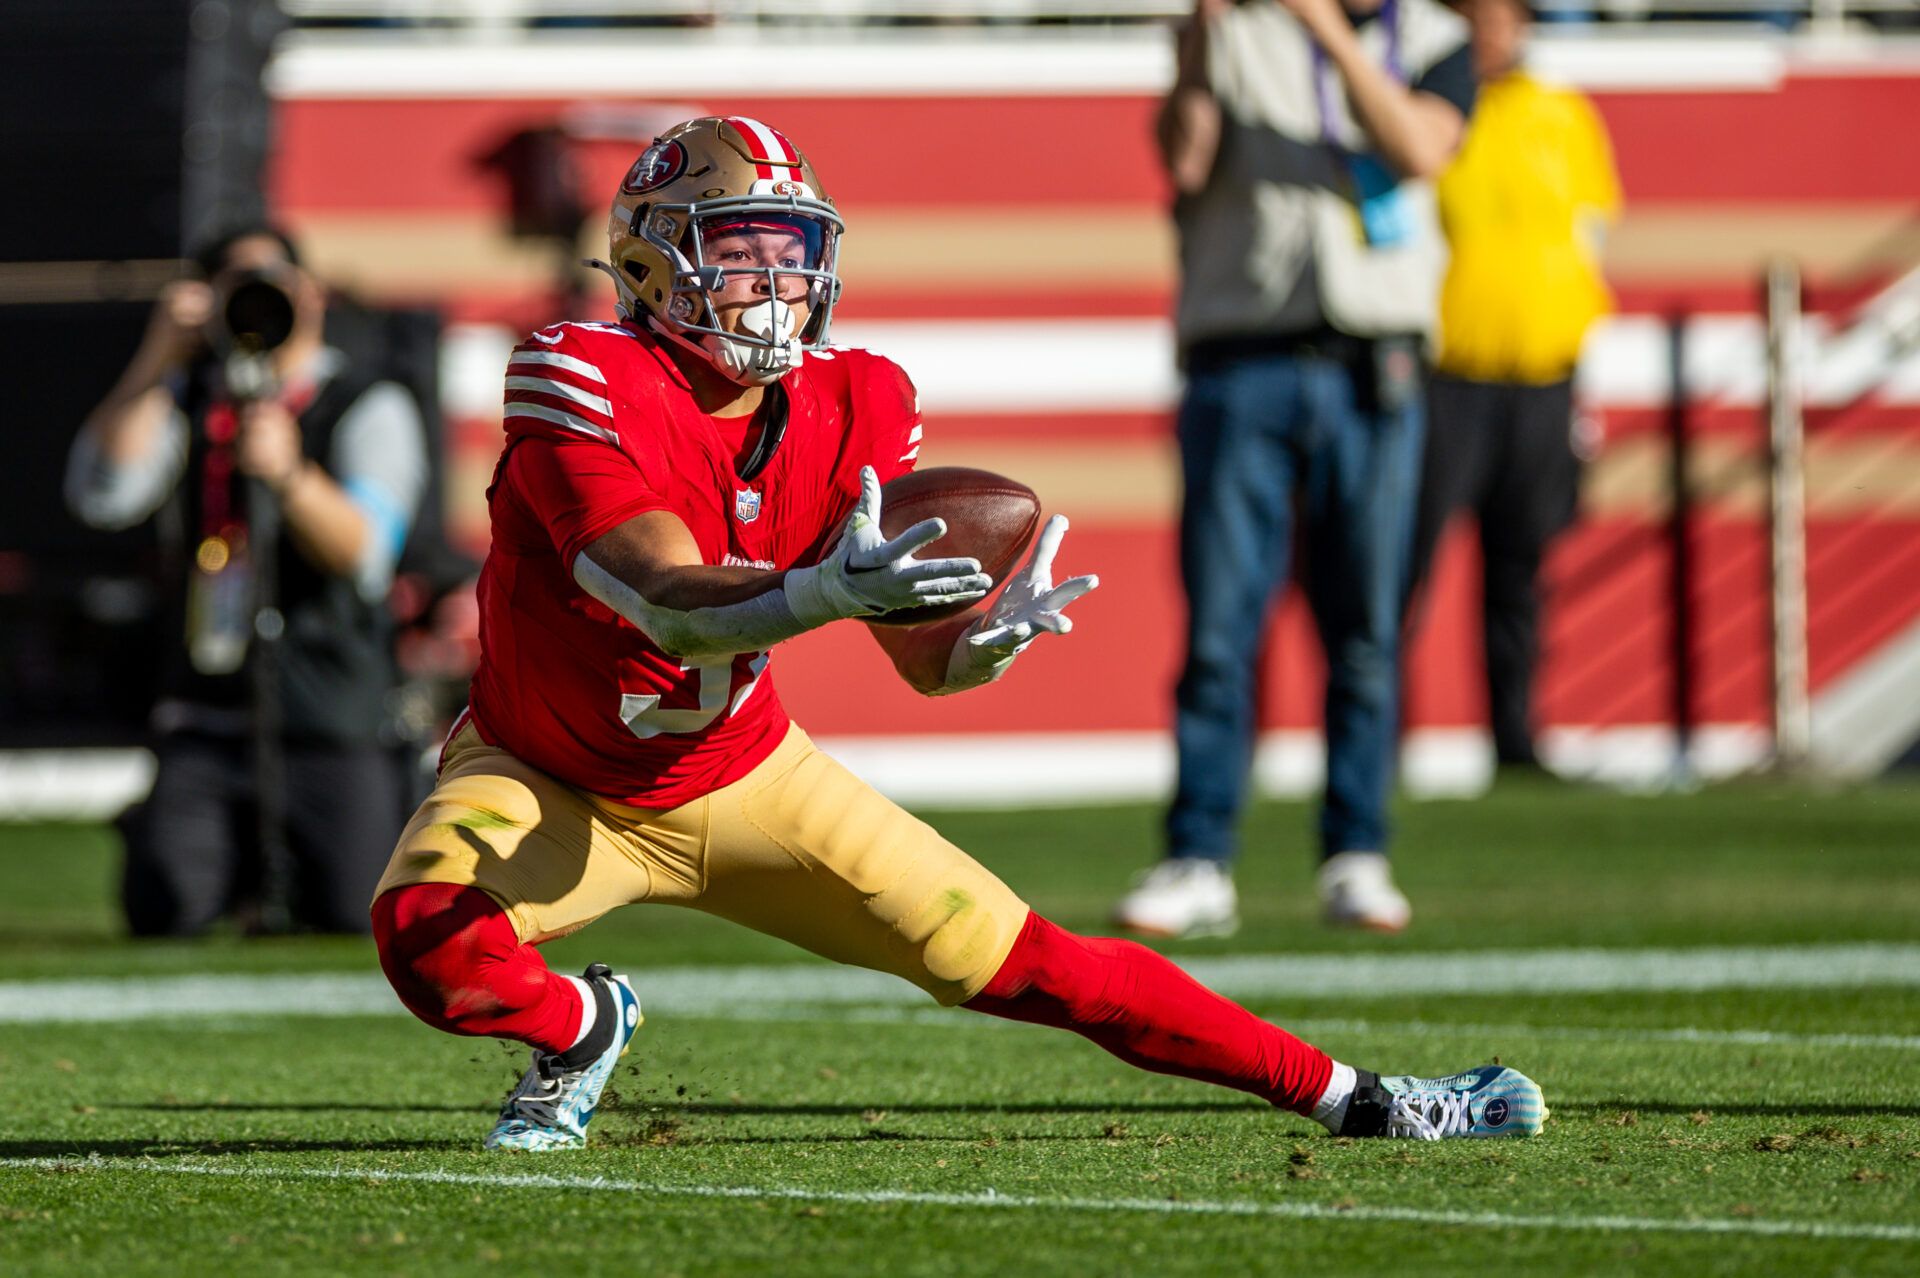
(800, 849)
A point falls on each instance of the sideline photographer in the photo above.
(292, 473)
(1302, 138)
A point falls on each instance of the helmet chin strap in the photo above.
(758, 363)
(747, 363)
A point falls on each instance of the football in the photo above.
(989, 517)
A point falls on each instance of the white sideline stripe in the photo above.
(1586, 1033)
(1316, 1027)
(1564, 971)
(1008, 1202)
(1039, 769)
(1297, 978)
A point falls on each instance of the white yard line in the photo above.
(1008, 1202)
(742, 992)
(1316, 1027)
(1579, 1033)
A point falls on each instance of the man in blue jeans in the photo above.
(1300, 136)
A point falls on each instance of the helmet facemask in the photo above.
(726, 248)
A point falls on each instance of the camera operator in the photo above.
(292, 471)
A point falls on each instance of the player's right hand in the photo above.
(178, 325)
(866, 573)
(1031, 605)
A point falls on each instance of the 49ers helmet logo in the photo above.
(658, 165)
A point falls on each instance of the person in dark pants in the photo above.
(294, 470)
(192, 847)
(1524, 207)
(1300, 137)
(1504, 454)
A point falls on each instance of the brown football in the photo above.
(989, 517)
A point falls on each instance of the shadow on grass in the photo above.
(1822, 1109)
(722, 1109)
(715, 1109)
(294, 1107)
(651, 1135)
(83, 1149)
(28, 940)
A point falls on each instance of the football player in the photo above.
(680, 491)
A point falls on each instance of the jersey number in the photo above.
(644, 718)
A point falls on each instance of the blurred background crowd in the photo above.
(1684, 433)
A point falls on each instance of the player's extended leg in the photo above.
(1145, 1010)
(805, 851)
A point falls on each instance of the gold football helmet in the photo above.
(703, 179)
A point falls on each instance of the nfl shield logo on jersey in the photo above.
(746, 505)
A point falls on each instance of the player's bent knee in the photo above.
(437, 942)
(961, 937)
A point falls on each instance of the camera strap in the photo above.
(219, 516)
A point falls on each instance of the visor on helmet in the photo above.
(809, 238)
(781, 244)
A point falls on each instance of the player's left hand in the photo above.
(267, 446)
(1030, 606)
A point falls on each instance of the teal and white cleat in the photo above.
(1484, 1103)
(556, 1098)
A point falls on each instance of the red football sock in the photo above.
(1149, 1013)
(454, 959)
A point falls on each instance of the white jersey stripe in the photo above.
(911, 453)
(772, 145)
(560, 417)
(555, 359)
(913, 436)
(565, 390)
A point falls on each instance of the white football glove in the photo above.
(1030, 605)
(864, 575)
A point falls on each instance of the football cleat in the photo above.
(1485, 1103)
(1181, 897)
(556, 1098)
(1356, 890)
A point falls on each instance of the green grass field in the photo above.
(1750, 1106)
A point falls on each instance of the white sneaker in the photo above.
(552, 1105)
(1356, 890)
(1487, 1102)
(1184, 896)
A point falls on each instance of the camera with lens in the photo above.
(253, 316)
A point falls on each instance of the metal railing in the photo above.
(1875, 715)
(1787, 515)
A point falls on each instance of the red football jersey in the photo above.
(601, 427)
